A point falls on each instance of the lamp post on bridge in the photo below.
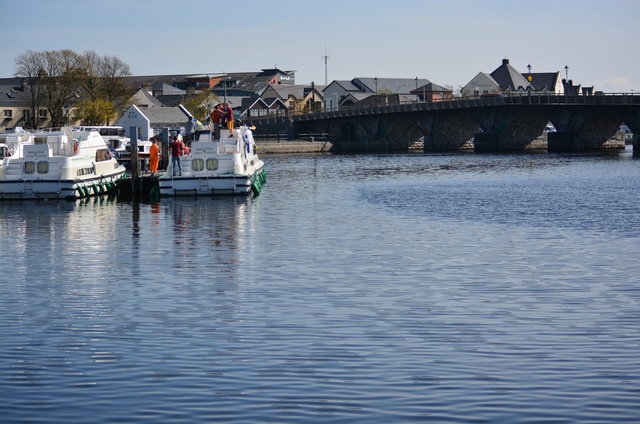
(376, 95)
(529, 78)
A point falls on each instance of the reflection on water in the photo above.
(355, 288)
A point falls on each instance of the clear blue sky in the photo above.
(448, 42)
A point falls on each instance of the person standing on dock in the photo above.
(154, 156)
(177, 150)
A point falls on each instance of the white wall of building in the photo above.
(480, 84)
(134, 117)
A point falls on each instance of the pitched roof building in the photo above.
(508, 78)
(549, 82)
(150, 121)
(338, 91)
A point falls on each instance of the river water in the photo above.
(462, 288)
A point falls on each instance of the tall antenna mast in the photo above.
(325, 56)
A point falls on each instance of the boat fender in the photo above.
(75, 147)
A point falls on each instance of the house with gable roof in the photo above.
(258, 107)
(545, 82)
(15, 105)
(151, 120)
(297, 98)
(339, 90)
(252, 84)
(504, 79)
(482, 84)
(432, 93)
(142, 98)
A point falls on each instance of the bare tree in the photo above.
(63, 79)
(29, 65)
(91, 63)
(113, 86)
(62, 71)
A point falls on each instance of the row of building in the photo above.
(274, 92)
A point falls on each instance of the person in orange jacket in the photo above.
(154, 156)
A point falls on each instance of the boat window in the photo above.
(84, 171)
(43, 167)
(212, 164)
(29, 167)
(197, 164)
(4, 152)
(40, 140)
(102, 155)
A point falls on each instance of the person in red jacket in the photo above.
(229, 115)
(177, 150)
(216, 119)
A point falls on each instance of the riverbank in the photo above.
(284, 146)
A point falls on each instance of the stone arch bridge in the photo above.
(482, 124)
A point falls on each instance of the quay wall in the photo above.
(267, 147)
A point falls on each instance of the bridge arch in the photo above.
(453, 131)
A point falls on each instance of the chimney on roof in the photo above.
(505, 61)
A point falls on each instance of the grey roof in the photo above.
(358, 96)
(255, 82)
(156, 79)
(162, 115)
(168, 89)
(431, 87)
(392, 85)
(346, 85)
(171, 100)
(284, 91)
(234, 101)
(143, 98)
(12, 93)
(508, 77)
(542, 80)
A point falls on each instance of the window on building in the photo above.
(8, 114)
(42, 114)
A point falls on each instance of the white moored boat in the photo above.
(64, 164)
(228, 166)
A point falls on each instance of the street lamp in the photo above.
(566, 73)
(226, 78)
(376, 95)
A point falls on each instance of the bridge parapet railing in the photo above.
(599, 98)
